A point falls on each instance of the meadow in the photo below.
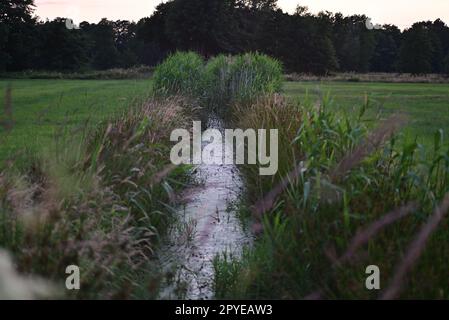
(107, 198)
(41, 109)
(426, 105)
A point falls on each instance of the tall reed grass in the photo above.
(330, 199)
(179, 74)
(241, 79)
(100, 201)
(222, 81)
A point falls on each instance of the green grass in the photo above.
(427, 105)
(41, 107)
(349, 182)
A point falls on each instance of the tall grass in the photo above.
(240, 79)
(222, 81)
(179, 74)
(100, 202)
(336, 184)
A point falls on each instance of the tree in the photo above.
(17, 34)
(60, 48)
(200, 25)
(265, 5)
(446, 65)
(126, 43)
(103, 54)
(416, 51)
(386, 51)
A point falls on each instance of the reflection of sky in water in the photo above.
(216, 229)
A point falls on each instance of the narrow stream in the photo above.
(208, 227)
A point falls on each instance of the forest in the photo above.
(304, 42)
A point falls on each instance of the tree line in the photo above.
(304, 42)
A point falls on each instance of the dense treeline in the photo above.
(302, 41)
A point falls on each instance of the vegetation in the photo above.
(347, 195)
(141, 72)
(344, 199)
(97, 197)
(241, 78)
(222, 81)
(181, 73)
(303, 42)
(424, 104)
(43, 110)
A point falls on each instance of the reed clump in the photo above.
(347, 196)
(100, 201)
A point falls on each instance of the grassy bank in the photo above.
(99, 198)
(346, 196)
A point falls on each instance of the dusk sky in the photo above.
(400, 12)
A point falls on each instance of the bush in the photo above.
(446, 65)
(180, 74)
(99, 202)
(241, 78)
(223, 81)
(347, 181)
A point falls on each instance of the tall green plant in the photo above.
(179, 74)
(241, 78)
(224, 80)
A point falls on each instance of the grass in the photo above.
(347, 196)
(41, 108)
(142, 72)
(219, 82)
(100, 199)
(427, 105)
(236, 79)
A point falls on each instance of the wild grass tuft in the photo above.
(241, 79)
(180, 74)
(100, 202)
(223, 81)
(337, 202)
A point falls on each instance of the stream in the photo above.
(208, 226)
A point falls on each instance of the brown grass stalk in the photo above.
(373, 142)
(365, 148)
(415, 250)
(362, 237)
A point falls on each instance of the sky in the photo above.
(402, 13)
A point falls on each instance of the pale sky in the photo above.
(400, 12)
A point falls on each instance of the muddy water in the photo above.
(208, 227)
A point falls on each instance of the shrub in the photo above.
(241, 78)
(100, 202)
(446, 65)
(223, 81)
(180, 74)
(346, 180)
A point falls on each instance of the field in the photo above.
(123, 170)
(427, 105)
(40, 107)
